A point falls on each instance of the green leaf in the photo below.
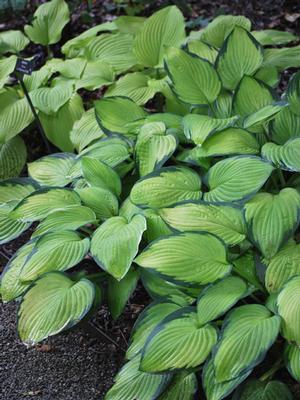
(131, 382)
(85, 130)
(13, 156)
(292, 360)
(251, 95)
(257, 390)
(154, 147)
(240, 55)
(245, 267)
(11, 286)
(201, 83)
(218, 390)
(16, 189)
(71, 218)
(182, 387)
(179, 341)
(54, 251)
(50, 99)
(264, 115)
(52, 170)
(226, 222)
(7, 66)
(293, 94)
(41, 203)
(120, 291)
(236, 178)
(222, 106)
(9, 227)
(200, 127)
(191, 258)
(165, 187)
(203, 50)
(12, 41)
(218, 30)
(99, 174)
(288, 305)
(272, 219)
(53, 304)
(269, 75)
(286, 156)
(114, 49)
(116, 113)
(286, 57)
(285, 126)
(48, 23)
(96, 74)
(273, 37)
(216, 299)
(115, 244)
(102, 201)
(165, 28)
(150, 317)
(37, 78)
(248, 332)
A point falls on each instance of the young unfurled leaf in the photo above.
(201, 84)
(163, 29)
(165, 187)
(191, 258)
(240, 55)
(179, 341)
(95, 75)
(224, 221)
(236, 178)
(115, 244)
(54, 303)
(285, 156)
(248, 333)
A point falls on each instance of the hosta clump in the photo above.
(199, 200)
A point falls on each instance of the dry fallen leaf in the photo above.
(292, 17)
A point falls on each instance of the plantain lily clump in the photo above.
(183, 175)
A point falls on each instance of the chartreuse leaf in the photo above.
(220, 297)
(200, 127)
(116, 113)
(54, 251)
(163, 29)
(115, 244)
(95, 75)
(269, 75)
(69, 219)
(12, 41)
(251, 95)
(240, 55)
(245, 267)
(13, 155)
(7, 66)
(272, 219)
(215, 390)
(41, 203)
(151, 316)
(248, 332)
(99, 174)
(203, 50)
(50, 99)
(156, 226)
(132, 383)
(288, 308)
(257, 390)
(285, 156)
(293, 94)
(236, 178)
(191, 258)
(271, 37)
(222, 106)
(285, 126)
(201, 84)
(58, 127)
(217, 31)
(16, 189)
(102, 201)
(53, 304)
(153, 147)
(179, 341)
(226, 222)
(52, 170)
(183, 387)
(85, 130)
(230, 141)
(38, 78)
(9, 227)
(120, 291)
(48, 23)
(11, 286)
(114, 49)
(292, 360)
(165, 187)
(286, 57)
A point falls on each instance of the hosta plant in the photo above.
(195, 194)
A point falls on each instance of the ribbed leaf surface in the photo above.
(286, 156)
(13, 155)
